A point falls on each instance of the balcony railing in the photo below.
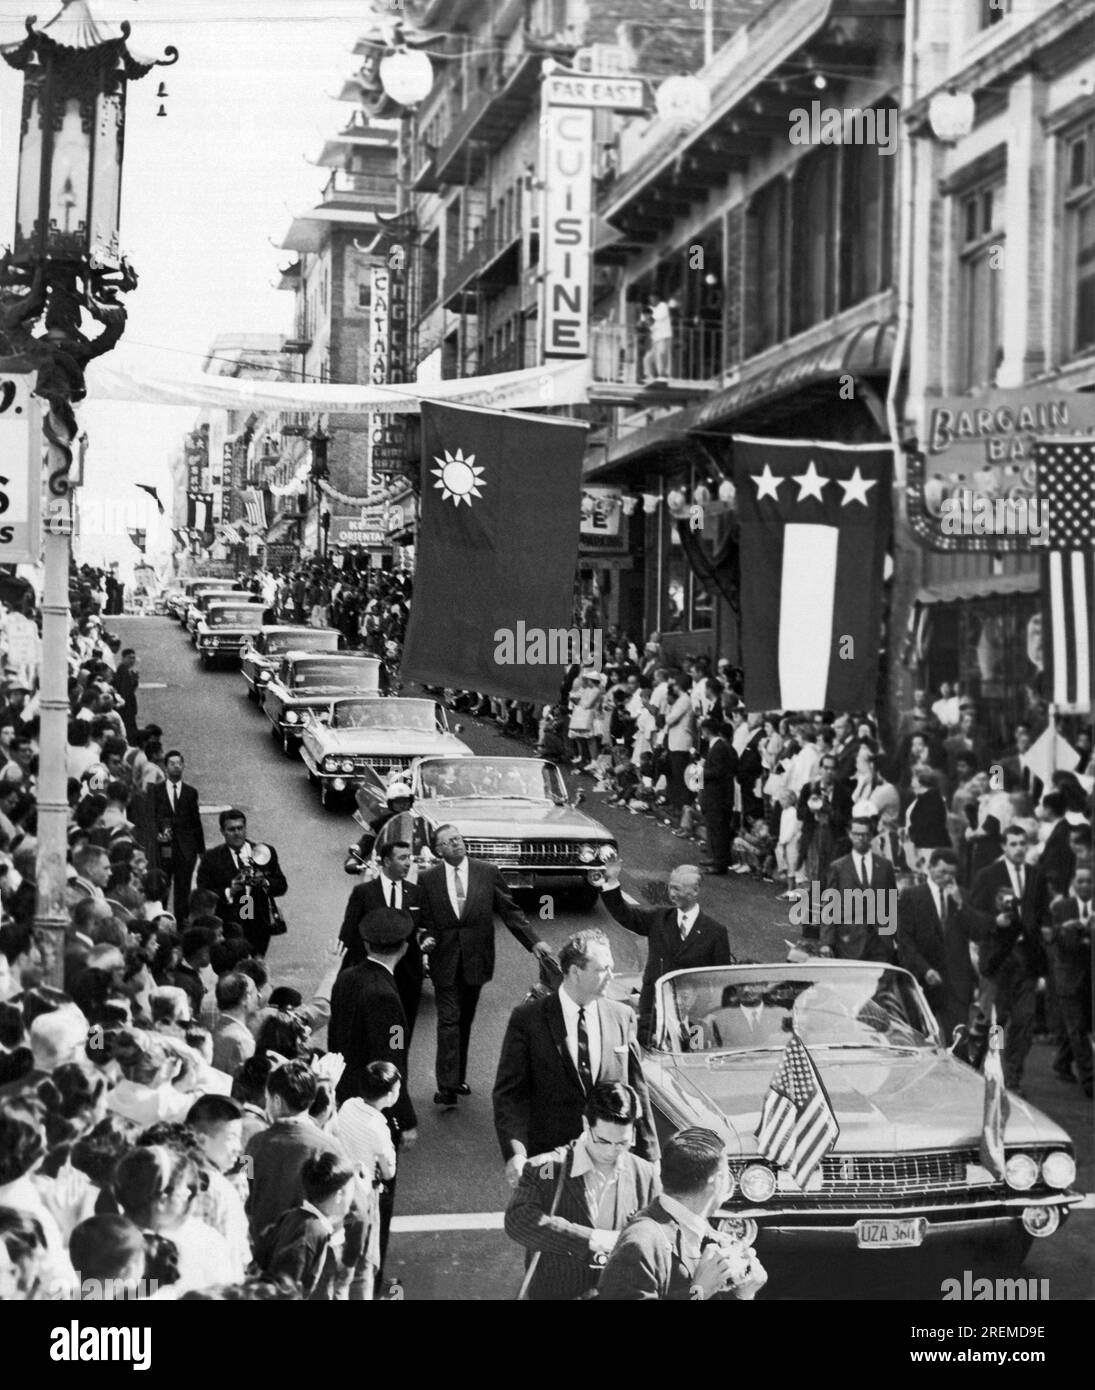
(695, 354)
(473, 263)
(511, 359)
(344, 186)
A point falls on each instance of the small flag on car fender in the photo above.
(997, 1105)
(797, 1124)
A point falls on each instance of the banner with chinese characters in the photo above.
(974, 484)
(20, 470)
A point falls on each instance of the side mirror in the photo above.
(458, 728)
(579, 797)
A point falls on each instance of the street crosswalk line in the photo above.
(449, 1221)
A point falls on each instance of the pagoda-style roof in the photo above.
(76, 29)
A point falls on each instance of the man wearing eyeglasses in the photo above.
(571, 1203)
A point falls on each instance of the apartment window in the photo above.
(428, 282)
(362, 295)
(814, 233)
(993, 11)
(981, 270)
(453, 248)
(867, 182)
(1079, 268)
(766, 215)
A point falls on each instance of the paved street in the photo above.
(454, 1177)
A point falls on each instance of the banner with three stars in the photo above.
(497, 551)
(815, 526)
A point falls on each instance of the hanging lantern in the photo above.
(629, 504)
(650, 502)
(701, 494)
(684, 101)
(727, 491)
(674, 499)
(950, 115)
(407, 76)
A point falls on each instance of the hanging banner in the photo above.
(20, 470)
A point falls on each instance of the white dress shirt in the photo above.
(1018, 877)
(687, 920)
(937, 899)
(392, 889)
(593, 1031)
(452, 877)
(864, 867)
(694, 1229)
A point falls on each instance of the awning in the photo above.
(955, 590)
(281, 527)
(866, 349)
(666, 437)
(533, 388)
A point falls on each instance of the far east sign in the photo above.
(977, 464)
(20, 470)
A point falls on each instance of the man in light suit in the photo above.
(459, 899)
(572, 1202)
(866, 931)
(679, 937)
(934, 931)
(180, 838)
(557, 1048)
(391, 889)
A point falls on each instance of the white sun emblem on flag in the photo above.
(459, 478)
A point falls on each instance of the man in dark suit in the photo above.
(934, 931)
(867, 887)
(244, 889)
(720, 765)
(367, 1019)
(459, 899)
(1057, 860)
(1018, 775)
(1068, 939)
(389, 889)
(557, 1048)
(1012, 957)
(571, 1203)
(670, 1251)
(126, 681)
(180, 838)
(679, 937)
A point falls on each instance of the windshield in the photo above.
(335, 675)
(208, 596)
(728, 1011)
(493, 779)
(303, 641)
(417, 715)
(245, 616)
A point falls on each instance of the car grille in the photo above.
(864, 1178)
(521, 853)
(382, 760)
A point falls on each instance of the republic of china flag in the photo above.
(497, 550)
(815, 527)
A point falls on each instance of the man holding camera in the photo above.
(246, 879)
(1012, 957)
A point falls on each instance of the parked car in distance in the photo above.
(905, 1171)
(306, 681)
(353, 737)
(260, 657)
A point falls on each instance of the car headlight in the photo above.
(607, 854)
(264, 675)
(292, 717)
(757, 1183)
(330, 764)
(1020, 1172)
(586, 854)
(1059, 1169)
(347, 765)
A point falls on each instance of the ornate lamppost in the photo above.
(62, 276)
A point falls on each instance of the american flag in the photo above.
(1066, 485)
(797, 1125)
(997, 1106)
(255, 506)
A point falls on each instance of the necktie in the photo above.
(585, 1071)
(865, 882)
(461, 896)
(683, 926)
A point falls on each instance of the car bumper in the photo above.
(959, 1221)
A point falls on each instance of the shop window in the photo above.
(992, 648)
(981, 271)
(429, 283)
(1079, 221)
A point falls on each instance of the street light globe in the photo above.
(407, 76)
(683, 100)
(951, 114)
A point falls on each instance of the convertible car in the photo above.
(204, 597)
(905, 1170)
(259, 659)
(516, 813)
(352, 739)
(225, 628)
(305, 681)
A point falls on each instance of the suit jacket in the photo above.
(1022, 943)
(186, 823)
(1022, 779)
(368, 1025)
(564, 1270)
(927, 822)
(538, 1096)
(840, 810)
(862, 940)
(367, 897)
(708, 944)
(648, 1262)
(216, 872)
(925, 943)
(720, 766)
(465, 945)
(1069, 948)
(1057, 862)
